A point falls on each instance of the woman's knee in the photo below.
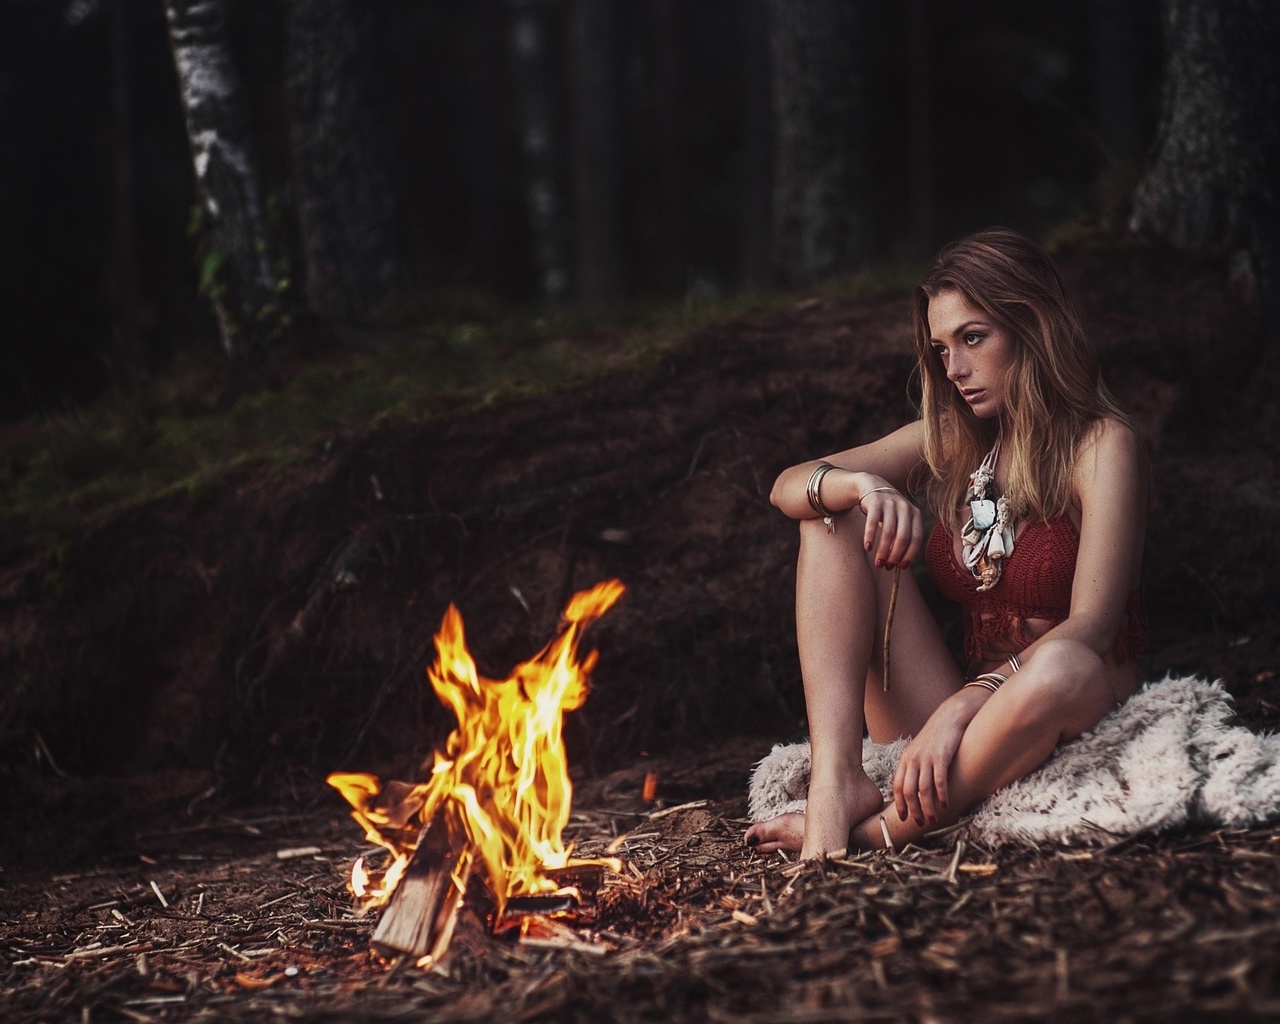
(1060, 677)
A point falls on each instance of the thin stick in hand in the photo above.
(888, 621)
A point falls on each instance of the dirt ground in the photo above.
(244, 917)
(181, 676)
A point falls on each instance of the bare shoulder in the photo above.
(1111, 445)
(1112, 457)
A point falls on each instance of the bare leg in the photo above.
(1063, 690)
(840, 606)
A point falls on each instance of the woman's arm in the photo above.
(857, 481)
(890, 460)
(1111, 482)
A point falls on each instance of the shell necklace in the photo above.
(987, 537)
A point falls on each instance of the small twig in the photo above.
(159, 895)
(884, 830)
(234, 952)
(692, 805)
(44, 749)
(888, 620)
(955, 861)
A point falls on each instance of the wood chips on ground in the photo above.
(246, 918)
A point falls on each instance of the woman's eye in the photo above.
(940, 352)
(972, 338)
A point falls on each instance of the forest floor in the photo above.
(181, 674)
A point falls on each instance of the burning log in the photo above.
(496, 798)
(420, 918)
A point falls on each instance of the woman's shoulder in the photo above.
(1109, 437)
(1110, 450)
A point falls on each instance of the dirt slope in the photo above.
(288, 621)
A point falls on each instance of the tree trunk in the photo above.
(341, 150)
(757, 109)
(1216, 157)
(1116, 33)
(668, 101)
(820, 212)
(237, 271)
(597, 149)
(537, 100)
(923, 224)
(129, 358)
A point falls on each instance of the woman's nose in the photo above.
(957, 367)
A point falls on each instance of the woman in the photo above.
(1040, 487)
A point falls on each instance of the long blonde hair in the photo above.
(1053, 391)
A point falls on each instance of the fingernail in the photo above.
(868, 545)
(879, 562)
(888, 565)
(753, 840)
(901, 816)
(932, 820)
(906, 564)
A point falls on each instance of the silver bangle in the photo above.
(988, 681)
(814, 490)
(873, 491)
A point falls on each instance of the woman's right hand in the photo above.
(894, 528)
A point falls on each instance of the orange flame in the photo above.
(503, 778)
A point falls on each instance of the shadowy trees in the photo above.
(1214, 177)
(820, 196)
(240, 268)
(592, 149)
(341, 158)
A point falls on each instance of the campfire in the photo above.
(483, 829)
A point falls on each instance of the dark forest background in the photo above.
(658, 172)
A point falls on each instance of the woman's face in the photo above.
(976, 352)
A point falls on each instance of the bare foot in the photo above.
(832, 812)
(833, 815)
(785, 832)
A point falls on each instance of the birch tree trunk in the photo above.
(347, 212)
(541, 136)
(821, 206)
(1214, 176)
(237, 272)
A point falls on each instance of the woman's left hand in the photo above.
(920, 783)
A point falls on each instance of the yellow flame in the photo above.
(502, 779)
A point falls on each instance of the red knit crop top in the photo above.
(1035, 584)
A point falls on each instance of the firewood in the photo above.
(420, 918)
(586, 878)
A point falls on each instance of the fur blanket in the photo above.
(1168, 757)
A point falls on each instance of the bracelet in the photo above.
(873, 491)
(988, 681)
(815, 496)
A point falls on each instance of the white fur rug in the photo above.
(1168, 757)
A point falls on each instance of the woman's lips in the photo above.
(973, 395)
